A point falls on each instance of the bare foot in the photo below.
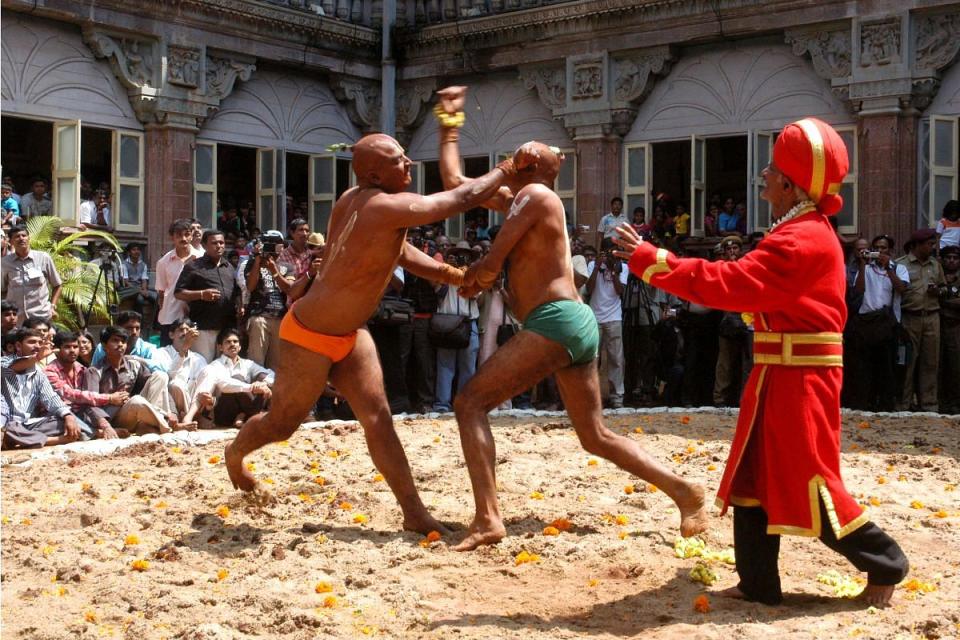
(239, 476)
(877, 595)
(693, 512)
(185, 426)
(480, 534)
(423, 522)
(732, 592)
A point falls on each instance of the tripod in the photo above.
(108, 275)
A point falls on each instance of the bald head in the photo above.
(536, 162)
(379, 160)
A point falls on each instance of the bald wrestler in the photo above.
(559, 335)
(323, 335)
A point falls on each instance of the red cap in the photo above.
(813, 156)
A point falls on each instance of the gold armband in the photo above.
(451, 275)
(449, 135)
(445, 119)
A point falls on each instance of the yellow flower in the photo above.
(305, 497)
(346, 506)
(434, 536)
(268, 481)
(916, 504)
(638, 429)
(360, 518)
(222, 575)
(622, 535)
(131, 540)
(90, 616)
(140, 565)
(881, 480)
(916, 586)
(863, 425)
(251, 467)
(874, 501)
(941, 514)
(160, 505)
(524, 557)
(592, 582)
(592, 462)
(174, 449)
(323, 587)
(320, 480)
(26, 522)
(436, 439)
(711, 467)
(378, 478)
(628, 489)
(652, 488)
(223, 511)
(551, 531)
(213, 459)
(536, 495)
(330, 602)
(621, 520)
(135, 476)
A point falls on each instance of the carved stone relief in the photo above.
(550, 83)
(632, 73)
(361, 98)
(222, 73)
(880, 43)
(412, 100)
(937, 40)
(829, 51)
(183, 65)
(587, 79)
(132, 59)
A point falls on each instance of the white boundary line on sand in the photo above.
(199, 438)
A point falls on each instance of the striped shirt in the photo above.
(25, 393)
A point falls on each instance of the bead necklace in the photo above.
(806, 206)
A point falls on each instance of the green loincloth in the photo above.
(570, 323)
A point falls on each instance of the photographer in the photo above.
(459, 363)
(605, 282)
(268, 284)
(316, 245)
(950, 330)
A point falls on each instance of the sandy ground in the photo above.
(221, 566)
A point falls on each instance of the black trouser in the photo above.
(422, 365)
(390, 342)
(639, 361)
(868, 548)
(231, 405)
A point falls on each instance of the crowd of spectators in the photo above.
(197, 341)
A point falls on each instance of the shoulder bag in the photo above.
(450, 331)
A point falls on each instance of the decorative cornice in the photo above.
(550, 81)
(361, 98)
(936, 40)
(412, 98)
(222, 73)
(829, 50)
(632, 70)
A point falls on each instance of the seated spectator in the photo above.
(37, 202)
(66, 375)
(30, 280)
(95, 212)
(10, 206)
(36, 415)
(948, 227)
(136, 279)
(85, 341)
(182, 365)
(9, 313)
(230, 222)
(43, 325)
(148, 408)
(130, 322)
(234, 387)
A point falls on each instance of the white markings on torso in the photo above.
(518, 206)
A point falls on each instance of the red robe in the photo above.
(785, 454)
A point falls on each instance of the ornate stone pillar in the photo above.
(596, 96)
(173, 87)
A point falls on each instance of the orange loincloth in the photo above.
(334, 347)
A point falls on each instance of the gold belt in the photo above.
(823, 349)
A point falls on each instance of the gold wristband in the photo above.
(445, 119)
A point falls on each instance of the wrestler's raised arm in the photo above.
(423, 266)
(451, 103)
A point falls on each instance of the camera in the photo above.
(870, 255)
(270, 245)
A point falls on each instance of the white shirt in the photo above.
(949, 231)
(231, 377)
(604, 300)
(452, 303)
(579, 264)
(88, 212)
(878, 289)
(168, 270)
(182, 370)
(610, 222)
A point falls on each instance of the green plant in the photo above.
(79, 276)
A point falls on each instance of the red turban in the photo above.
(813, 156)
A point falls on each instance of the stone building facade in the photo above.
(176, 104)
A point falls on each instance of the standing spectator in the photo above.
(461, 363)
(734, 343)
(28, 278)
(681, 221)
(612, 220)
(640, 222)
(66, 375)
(37, 202)
(948, 227)
(316, 245)
(136, 278)
(879, 284)
(182, 364)
(209, 288)
(234, 387)
(296, 257)
(148, 408)
(37, 416)
(710, 221)
(95, 212)
(196, 240)
(921, 321)
(391, 339)
(132, 323)
(606, 279)
(950, 330)
(642, 306)
(423, 364)
(10, 206)
(729, 218)
(268, 283)
(9, 315)
(168, 271)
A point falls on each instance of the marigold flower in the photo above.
(536, 495)
(562, 524)
(160, 504)
(323, 587)
(360, 518)
(685, 420)
(621, 519)
(638, 429)
(863, 425)
(701, 604)
(437, 439)
(691, 448)
(131, 540)
(941, 514)
(551, 531)
(305, 497)
(916, 586)
(175, 449)
(652, 488)
(135, 476)
(90, 616)
(916, 504)
(592, 462)
(524, 557)
(222, 575)
(320, 480)
(950, 487)
(251, 467)
(592, 582)
(378, 478)
(268, 481)
(330, 602)
(140, 565)
(223, 511)
(881, 480)
(901, 478)
(711, 467)
(628, 489)
(936, 450)
(434, 536)
(346, 506)
(213, 459)
(622, 535)
(874, 501)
